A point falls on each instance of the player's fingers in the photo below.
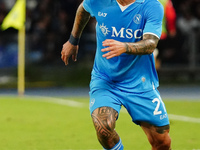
(74, 57)
(65, 59)
(108, 42)
(110, 55)
(62, 57)
(106, 49)
(62, 52)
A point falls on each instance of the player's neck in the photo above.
(125, 2)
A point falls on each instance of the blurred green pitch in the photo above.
(39, 123)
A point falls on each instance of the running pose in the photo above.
(124, 73)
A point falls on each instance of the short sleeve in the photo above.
(87, 7)
(153, 17)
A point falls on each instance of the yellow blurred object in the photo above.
(16, 17)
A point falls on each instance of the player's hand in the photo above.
(69, 50)
(113, 47)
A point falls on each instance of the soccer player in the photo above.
(124, 73)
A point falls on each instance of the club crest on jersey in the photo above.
(104, 29)
(137, 18)
(92, 102)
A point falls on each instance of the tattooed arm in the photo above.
(81, 19)
(143, 47)
(69, 49)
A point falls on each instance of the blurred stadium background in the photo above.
(48, 26)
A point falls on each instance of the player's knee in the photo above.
(165, 145)
(161, 143)
(104, 128)
(104, 124)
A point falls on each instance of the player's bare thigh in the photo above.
(157, 135)
(104, 118)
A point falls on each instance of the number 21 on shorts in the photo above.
(157, 111)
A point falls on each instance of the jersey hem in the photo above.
(152, 34)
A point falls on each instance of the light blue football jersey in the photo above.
(131, 73)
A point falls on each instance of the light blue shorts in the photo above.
(146, 106)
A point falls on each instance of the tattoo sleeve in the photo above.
(145, 46)
(81, 19)
(104, 121)
(162, 129)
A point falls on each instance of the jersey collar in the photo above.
(139, 1)
(136, 1)
(123, 8)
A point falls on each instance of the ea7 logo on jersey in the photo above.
(101, 14)
(137, 18)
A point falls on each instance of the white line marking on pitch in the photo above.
(73, 103)
(184, 118)
(60, 101)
